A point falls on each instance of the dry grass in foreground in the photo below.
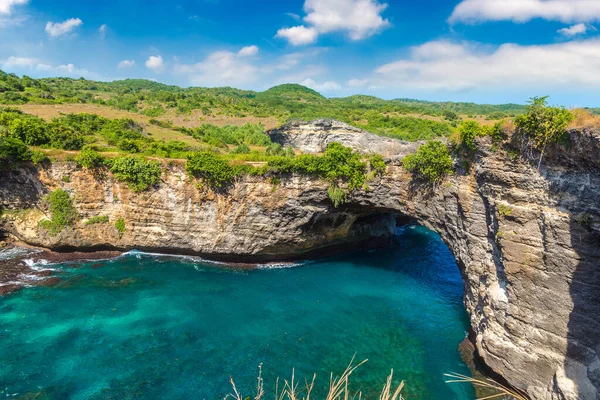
(503, 391)
(338, 387)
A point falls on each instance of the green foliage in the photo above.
(275, 149)
(377, 164)
(100, 219)
(285, 102)
(336, 195)
(38, 157)
(211, 168)
(467, 131)
(66, 178)
(241, 149)
(504, 210)
(543, 124)
(139, 173)
(450, 115)
(13, 152)
(120, 225)
(90, 159)
(431, 161)
(62, 211)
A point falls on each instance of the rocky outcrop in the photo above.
(527, 242)
(314, 136)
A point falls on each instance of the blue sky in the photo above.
(464, 50)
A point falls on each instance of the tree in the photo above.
(431, 161)
(467, 132)
(543, 124)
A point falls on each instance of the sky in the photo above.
(484, 51)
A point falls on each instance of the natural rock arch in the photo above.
(526, 243)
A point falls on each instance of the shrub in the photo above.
(275, 149)
(13, 152)
(543, 124)
(139, 173)
(211, 168)
(90, 159)
(431, 161)
(241, 149)
(128, 145)
(120, 225)
(467, 131)
(100, 219)
(377, 164)
(336, 195)
(38, 157)
(62, 211)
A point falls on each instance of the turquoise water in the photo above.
(146, 327)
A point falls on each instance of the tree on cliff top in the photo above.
(543, 124)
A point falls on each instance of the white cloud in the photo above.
(126, 64)
(294, 16)
(56, 29)
(16, 62)
(525, 10)
(328, 86)
(248, 51)
(221, 68)
(579, 29)
(357, 82)
(359, 19)
(33, 64)
(298, 35)
(444, 65)
(102, 31)
(7, 5)
(155, 63)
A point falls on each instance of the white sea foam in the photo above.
(14, 252)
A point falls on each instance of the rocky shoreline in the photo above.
(23, 266)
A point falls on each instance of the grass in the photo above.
(584, 119)
(339, 387)
(503, 391)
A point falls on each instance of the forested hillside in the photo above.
(399, 118)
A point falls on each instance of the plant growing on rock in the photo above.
(120, 226)
(139, 173)
(543, 124)
(431, 161)
(62, 210)
(211, 168)
(90, 158)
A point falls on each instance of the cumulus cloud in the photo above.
(359, 19)
(155, 63)
(444, 65)
(221, 68)
(7, 5)
(32, 64)
(126, 64)
(525, 10)
(579, 29)
(357, 82)
(56, 29)
(327, 86)
(248, 51)
(13, 62)
(298, 35)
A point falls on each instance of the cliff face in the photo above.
(527, 243)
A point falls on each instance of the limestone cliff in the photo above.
(527, 242)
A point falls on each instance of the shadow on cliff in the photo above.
(583, 349)
(574, 176)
